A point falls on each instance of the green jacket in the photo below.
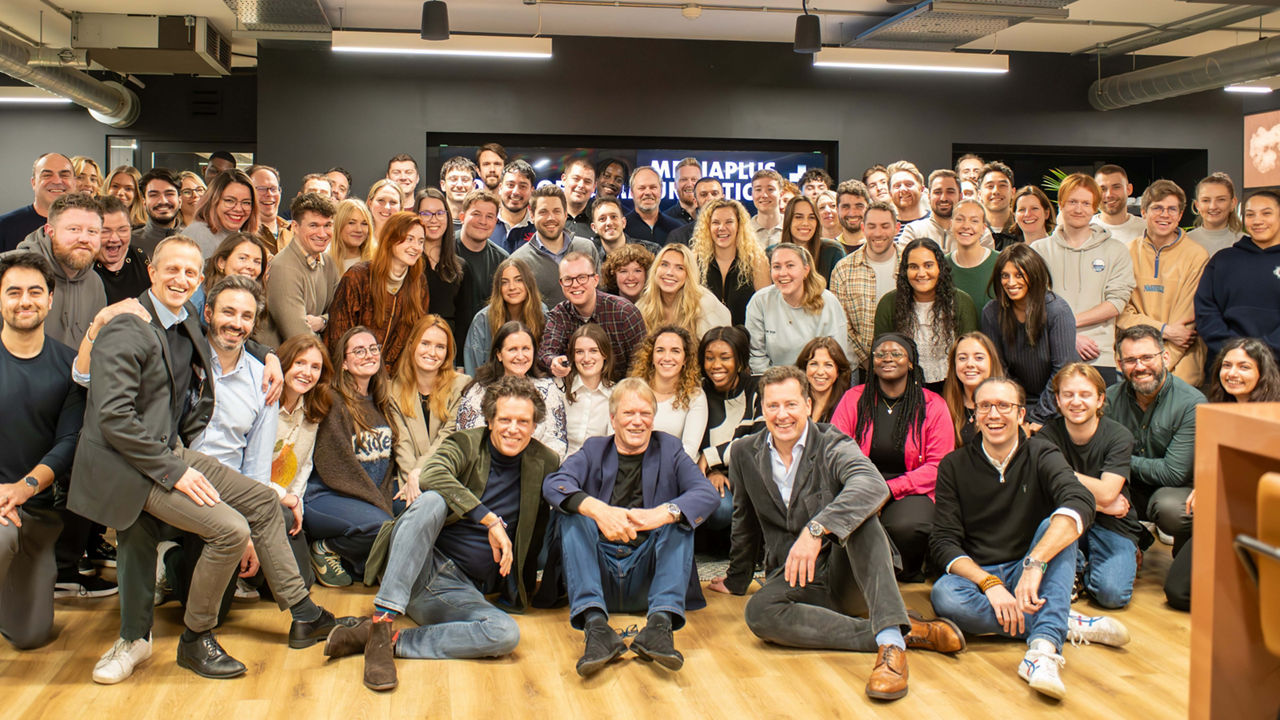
(1164, 435)
(459, 471)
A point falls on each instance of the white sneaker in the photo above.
(1040, 669)
(245, 592)
(118, 662)
(1083, 629)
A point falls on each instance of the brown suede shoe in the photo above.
(888, 680)
(380, 658)
(344, 641)
(939, 635)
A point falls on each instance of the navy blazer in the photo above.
(668, 475)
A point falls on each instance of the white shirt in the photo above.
(588, 414)
(689, 424)
(1125, 232)
(785, 477)
(886, 275)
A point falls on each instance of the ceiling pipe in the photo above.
(1211, 71)
(110, 103)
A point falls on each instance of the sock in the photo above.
(384, 614)
(592, 617)
(189, 635)
(659, 619)
(305, 610)
(1043, 646)
(891, 635)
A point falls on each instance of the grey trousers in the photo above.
(27, 574)
(825, 614)
(248, 509)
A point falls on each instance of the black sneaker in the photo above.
(85, 586)
(85, 566)
(102, 553)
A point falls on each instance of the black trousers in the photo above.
(909, 522)
(1177, 584)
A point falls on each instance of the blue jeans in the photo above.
(454, 620)
(347, 525)
(963, 602)
(606, 576)
(1108, 563)
(723, 514)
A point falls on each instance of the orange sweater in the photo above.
(1165, 294)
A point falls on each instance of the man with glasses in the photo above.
(303, 276)
(1167, 266)
(161, 197)
(583, 303)
(1009, 513)
(1159, 408)
(121, 266)
(549, 245)
(274, 231)
(457, 179)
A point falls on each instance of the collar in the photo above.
(798, 449)
(241, 364)
(1001, 466)
(577, 386)
(166, 316)
(1146, 239)
(538, 245)
(313, 261)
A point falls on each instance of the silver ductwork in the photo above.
(1215, 70)
(109, 103)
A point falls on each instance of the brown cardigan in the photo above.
(335, 463)
(353, 305)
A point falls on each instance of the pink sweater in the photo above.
(921, 462)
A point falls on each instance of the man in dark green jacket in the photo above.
(453, 545)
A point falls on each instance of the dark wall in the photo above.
(318, 108)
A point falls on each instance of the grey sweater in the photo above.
(75, 299)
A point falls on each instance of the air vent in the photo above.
(151, 44)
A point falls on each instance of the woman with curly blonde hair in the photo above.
(674, 297)
(731, 263)
(625, 272)
(666, 361)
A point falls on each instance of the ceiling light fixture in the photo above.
(911, 60)
(27, 95)
(488, 46)
(1256, 89)
(435, 20)
(808, 31)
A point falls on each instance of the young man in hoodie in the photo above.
(1090, 269)
(1239, 293)
(73, 238)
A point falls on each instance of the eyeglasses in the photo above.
(576, 280)
(1163, 210)
(361, 353)
(230, 202)
(193, 192)
(438, 215)
(1004, 408)
(1132, 361)
(888, 354)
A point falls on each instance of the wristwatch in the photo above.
(32, 483)
(674, 509)
(1028, 563)
(815, 529)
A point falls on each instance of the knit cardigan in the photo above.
(336, 466)
(921, 458)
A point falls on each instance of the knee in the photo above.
(758, 615)
(1177, 592)
(502, 634)
(946, 595)
(234, 535)
(429, 507)
(1111, 596)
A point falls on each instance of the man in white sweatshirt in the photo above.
(1091, 270)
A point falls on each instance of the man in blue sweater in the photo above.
(1239, 293)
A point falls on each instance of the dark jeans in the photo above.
(348, 526)
(825, 614)
(609, 576)
(1177, 584)
(909, 522)
(1166, 507)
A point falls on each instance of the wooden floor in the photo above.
(728, 673)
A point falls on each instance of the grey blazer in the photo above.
(125, 447)
(835, 484)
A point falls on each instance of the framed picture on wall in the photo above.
(1262, 149)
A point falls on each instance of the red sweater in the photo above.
(921, 458)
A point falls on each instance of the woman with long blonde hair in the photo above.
(384, 200)
(666, 361)
(123, 182)
(730, 261)
(674, 297)
(353, 239)
(88, 174)
(428, 390)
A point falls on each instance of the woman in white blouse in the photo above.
(667, 362)
(586, 398)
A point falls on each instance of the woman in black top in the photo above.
(447, 278)
(972, 359)
(732, 264)
(733, 409)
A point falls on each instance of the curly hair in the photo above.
(512, 387)
(404, 385)
(530, 312)
(685, 309)
(623, 256)
(953, 389)
(690, 382)
(844, 371)
(1268, 387)
(751, 258)
(943, 313)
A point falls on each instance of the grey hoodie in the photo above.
(75, 300)
(1099, 270)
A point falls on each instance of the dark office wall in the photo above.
(318, 108)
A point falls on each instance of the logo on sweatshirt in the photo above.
(1099, 264)
(1276, 272)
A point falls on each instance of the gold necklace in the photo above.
(894, 406)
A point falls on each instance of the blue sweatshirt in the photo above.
(1239, 296)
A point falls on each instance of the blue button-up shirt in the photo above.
(785, 477)
(241, 434)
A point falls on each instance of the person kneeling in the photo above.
(631, 504)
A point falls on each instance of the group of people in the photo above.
(496, 394)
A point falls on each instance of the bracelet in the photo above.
(496, 523)
(989, 582)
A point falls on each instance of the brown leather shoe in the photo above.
(344, 641)
(888, 680)
(939, 635)
(380, 658)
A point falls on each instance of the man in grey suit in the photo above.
(152, 394)
(812, 499)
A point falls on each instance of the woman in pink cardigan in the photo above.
(905, 430)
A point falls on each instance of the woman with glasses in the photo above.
(353, 239)
(588, 386)
(192, 192)
(800, 226)
(384, 200)
(514, 349)
(122, 183)
(427, 390)
(972, 359)
(829, 373)
(665, 361)
(905, 430)
(514, 296)
(447, 276)
(1033, 329)
(388, 294)
(796, 308)
(229, 206)
(352, 490)
(730, 262)
(675, 297)
(927, 307)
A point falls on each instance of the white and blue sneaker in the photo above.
(1039, 668)
(1084, 629)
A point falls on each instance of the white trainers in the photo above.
(1083, 629)
(245, 591)
(1040, 669)
(118, 662)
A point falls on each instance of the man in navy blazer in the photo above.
(631, 503)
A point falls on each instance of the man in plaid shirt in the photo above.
(866, 275)
(620, 319)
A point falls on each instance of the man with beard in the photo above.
(1113, 212)
(610, 225)
(646, 221)
(51, 178)
(340, 181)
(515, 221)
(579, 181)
(160, 196)
(688, 172)
(121, 266)
(905, 188)
(867, 274)
(550, 244)
(704, 191)
(995, 192)
(274, 231)
(944, 193)
(852, 200)
(71, 240)
(491, 160)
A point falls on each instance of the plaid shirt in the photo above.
(853, 282)
(619, 319)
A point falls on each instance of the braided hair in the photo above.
(912, 417)
(944, 296)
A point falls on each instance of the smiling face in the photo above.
(266, 187)
(1142, 363)
(632, 422)
(25, 299)
(245, 259)
(686, 178)
(75, 238)
(175, 274)
(549, 217)
(1115, 192)
(490, 164)
(764, 194)
(432, 349)
(968, 225)
(724, 227)
(124, 188)
(339, 185)
(705, 192)
(969, 169)
(1239, 374)
(409, 250)
(234, 207)
(1162, 218)
(1215, 202)
(804, 222)
(362, 357)
(1262, 220)
(161, 201)
(514, 192)
(630, 279)
(671, 273)
(1079, 400)
(304, 372)
(668, 356)
(788, 271)
(891, 361)
(609, 184)
(512, 425)
(457, 183)
(646, 190)
(191, 193)
(385, 203)
(786, 410)
(588, 359)
(852, 211)
(434, 217)
(511, 286)
(578, 280)
(821, 371)
(1030, 215)
(355, 232)
(878, 186)
(905, 191)
(405, 174)
(827, 214)
(944, 193)
(880, 229)
(922, 273)
(313, 231)
(973, 364)
(516, 354)
(579, 182)
(720, 365)
(994, 192)
(231, 319)
(608, 223)
(114, 239)
(479, 220)
(1013, 282)
(998, 428)
(89, 180)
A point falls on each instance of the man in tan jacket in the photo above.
(1167, 266)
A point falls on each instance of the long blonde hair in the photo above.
(137, 211)
(814, 284)
(686, 311)
(346, 210)
(751, 257)
(404, 387)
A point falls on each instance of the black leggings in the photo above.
(909, 522)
